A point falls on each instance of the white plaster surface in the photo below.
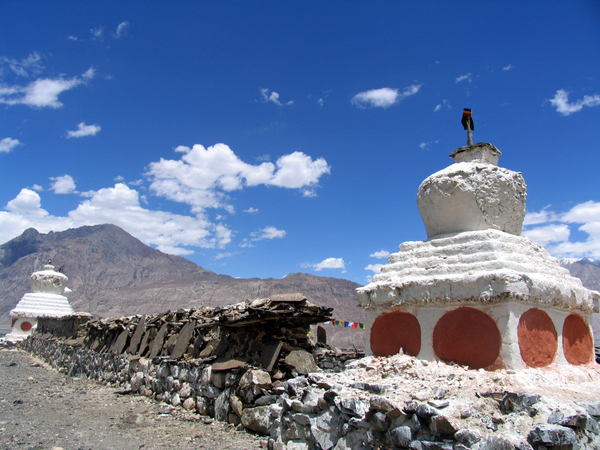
(46, 298)
(472, 195)
(484, 266)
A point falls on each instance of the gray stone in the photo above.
(379, 403)
(551, 435)
(439, 393)
(380, 421)
(158, 341)
(352, 406)
(327, 421)
(294, 385)
(222, 407)
(256, 377)
(592, 408)
(439, 404)
(295, 431)
(302, 361)
(257, 419)
(325, 439)
(236, 405)
(401, 436)
(136, 381)
(496, 442)
(583, 421)
(137, 336)
(467, 436)
(183, 339)
(442, 425)
(186, 390)
(418, 424)
(269, 355)
(201, 406)
(302, 419)
(266, 400)
(189, 404)
(517, 401)
(426, 411)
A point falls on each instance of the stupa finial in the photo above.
(468, 125)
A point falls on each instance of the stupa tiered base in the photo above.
(485, 299)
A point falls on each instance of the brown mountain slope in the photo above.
(111, 273)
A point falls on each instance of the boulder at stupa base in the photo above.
(476, 293)
(46, 299)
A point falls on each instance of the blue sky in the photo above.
(259, 139)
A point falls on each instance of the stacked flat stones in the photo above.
(476, 292)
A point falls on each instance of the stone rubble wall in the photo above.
(302, 412)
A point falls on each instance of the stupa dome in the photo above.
(473, 194)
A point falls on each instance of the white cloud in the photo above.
(41, 93)
(120, 206)
(63, 185)
(425, 145)
(384, 97)
(553, 230)
(331, 263)
(251, 210)
(561, 102)
(509, 67)
(26, 67)
(549, 233)
(84, 130)
(381, 254)
(437, 108)
(121, 30)
(268, 233)
(468, 77)
(374, 267)
(7, 144)
(203, 176)
(97, 33)
(273, 97)
(37, 187)
(89, 74)
(72, 38)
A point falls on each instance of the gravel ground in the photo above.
(43, 409)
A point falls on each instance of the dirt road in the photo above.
(42, 409)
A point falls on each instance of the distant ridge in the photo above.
(586, 269)
(111, 273)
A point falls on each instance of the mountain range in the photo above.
(111, 273)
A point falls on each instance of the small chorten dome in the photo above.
(48, 298)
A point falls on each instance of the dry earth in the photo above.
(41, 409)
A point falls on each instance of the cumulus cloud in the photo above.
(384, 97)
(562, 105)
(268, 233)
(273, 97)
(381, 254)
(97, 33)
(84, 130)
(331, 263)
(374, 267)
(63, 185)
(7, 144)
(119, 205)
(509, 67)
(553, 230)
(468, 77)
(41, 93)
(203, 176)
(251, 210)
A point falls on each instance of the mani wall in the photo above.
(252, 365)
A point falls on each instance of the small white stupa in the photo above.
(47, 298)
(476, 292)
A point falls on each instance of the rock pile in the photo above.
(374, 402)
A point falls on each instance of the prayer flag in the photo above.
(466, 118)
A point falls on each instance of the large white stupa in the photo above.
(47, 298)
(476, 292)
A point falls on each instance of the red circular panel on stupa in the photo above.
(26, 326)
(578, 344)
(538, 340)
(394, 331)
(467, 336)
